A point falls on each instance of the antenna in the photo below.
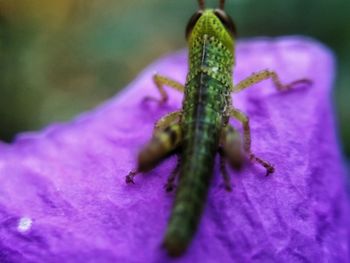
(222, 4)
(201, 4)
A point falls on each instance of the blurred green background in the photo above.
(62, 57)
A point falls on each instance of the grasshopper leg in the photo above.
(170, 185)
(160, 146)
(240, 116)
(167, 120)
(231, 146)
(160, 81)
(129, 179)
(231, 151)
(224, 173)
(268, 74)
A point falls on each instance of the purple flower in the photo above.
(63, 196)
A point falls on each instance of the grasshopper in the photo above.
(201, 128)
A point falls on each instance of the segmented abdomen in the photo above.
(207, 95)
(201, 123)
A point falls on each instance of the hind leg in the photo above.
(161, 145)
(167, 120)
(230, 151)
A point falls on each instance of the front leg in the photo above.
(267, 74)
(160, 81)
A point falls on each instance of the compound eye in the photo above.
(192, 22)
(227, 21)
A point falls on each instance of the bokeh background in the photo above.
(62, 57)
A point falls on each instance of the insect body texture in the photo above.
(207, 96)
(201, 128)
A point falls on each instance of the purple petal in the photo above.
(63, 196)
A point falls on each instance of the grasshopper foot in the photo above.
(129, 179)
(269, 170)
(160, 102)
(269, 167)
(169, 187)
(299, 82)
(228, 187)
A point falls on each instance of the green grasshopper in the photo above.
(201, 128)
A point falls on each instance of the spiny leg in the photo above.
(162, 144)
(224, 173)
(160, 81)
(267, 74)
(160, 125)
(169, 186)
(167, 120)
(240, 116)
